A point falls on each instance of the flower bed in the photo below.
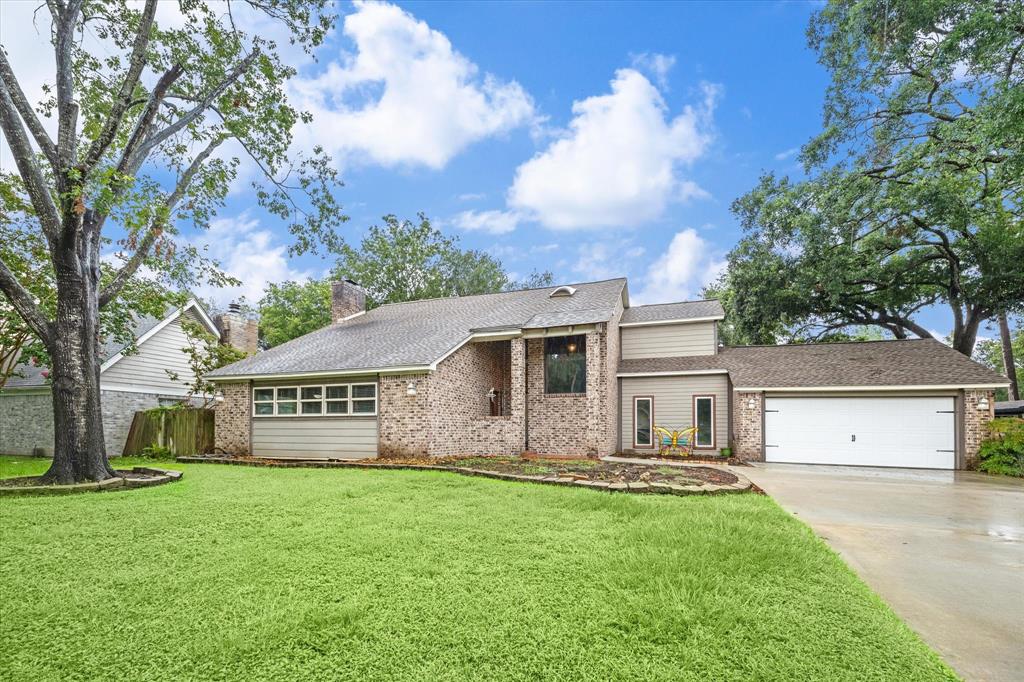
(136, 477)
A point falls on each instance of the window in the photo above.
(704, 420)
(643, 422)
(330, 400)
(565, 364)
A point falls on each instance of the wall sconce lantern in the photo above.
(571, 347)
(983, 404)
(410, 389)
(751, 404)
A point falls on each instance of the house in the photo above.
(1010, 408)
(128, 381)
(577, 370)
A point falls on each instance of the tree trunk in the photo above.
(79, 453)
(1011, 368)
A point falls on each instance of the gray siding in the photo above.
(668, 340)
(348, 437)
(160, 352)
(673, 403)
(315, 437)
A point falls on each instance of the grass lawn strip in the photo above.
(239, 573)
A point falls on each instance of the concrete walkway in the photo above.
(944, 549)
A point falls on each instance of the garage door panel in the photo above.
(869, 431)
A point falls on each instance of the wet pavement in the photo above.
(945, 549)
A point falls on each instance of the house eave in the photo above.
(886, 388)
(688, 320)
(679, 373)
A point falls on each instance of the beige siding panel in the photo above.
(158, 353)
(315, 437)
(673, 403)
(668, 340)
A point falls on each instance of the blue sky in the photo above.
(592, 140)
(694, 99)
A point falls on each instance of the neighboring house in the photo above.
(128, 382)
(1010, 408)
(575, 370)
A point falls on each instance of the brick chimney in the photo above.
(238, 330)
(347, 299)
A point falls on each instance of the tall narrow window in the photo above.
(565, 364)
(704, 420)
(643, 422)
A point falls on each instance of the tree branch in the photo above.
(22, 301)
(24, 108)
(156, 228)
(124, 96)
(67, 108)
(24, 158)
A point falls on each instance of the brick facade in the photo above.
(975, 422)
(231, 419)
(747, 426)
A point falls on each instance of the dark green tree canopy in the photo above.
(915, 184)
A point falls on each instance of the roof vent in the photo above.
(562, 291)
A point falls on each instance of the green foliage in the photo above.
(915, 184)
(1003, 451)
(407, 261)
(989, 352)
(290, 309)
(205, 353)
(337, 562)
(157, 452)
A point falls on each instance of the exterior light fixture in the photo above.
(751, 404)
(571, 347)
(410, 389)
(983, 404)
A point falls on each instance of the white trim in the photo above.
(683, 321)
(680, 373)
(349, 317)
(404, 369)
(650, 431)
(135, 388)
(714, 422)
(350, 400)
(192, 303)
(829, 389)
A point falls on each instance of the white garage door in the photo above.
(893, 432)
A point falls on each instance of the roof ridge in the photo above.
(831, 343)
(695, 300)
(502, 293)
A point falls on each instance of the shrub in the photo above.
(157, 452)
(1003, 451)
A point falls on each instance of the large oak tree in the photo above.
(150, 123)
(914, 189)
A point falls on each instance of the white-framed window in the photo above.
(643, 421)
(704, 420)
(321, 400)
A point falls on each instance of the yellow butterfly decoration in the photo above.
(678, 442)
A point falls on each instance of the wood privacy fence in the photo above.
(183, 431)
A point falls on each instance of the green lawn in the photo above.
(239, 573)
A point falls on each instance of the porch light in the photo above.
(571, 347)
(751, 404)
(410, 389)
(983, 404)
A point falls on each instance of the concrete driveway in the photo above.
(944, 549)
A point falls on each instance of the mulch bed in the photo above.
(593, 470)
(696, 459)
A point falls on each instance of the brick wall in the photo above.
(231, 419)
(975, 422)
(405, 421)
(119, 408)
(26, 423)
(747, 437)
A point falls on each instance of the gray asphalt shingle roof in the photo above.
(912, 362)
(418, 333)
(686, 310)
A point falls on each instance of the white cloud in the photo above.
(405, 96)
(783, 155)
(491, 222)
(249, 253)
(657, 65)
(680, 271)
(471, 196)
(618, 165)
(605, 259)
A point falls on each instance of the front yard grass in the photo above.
(238, 573)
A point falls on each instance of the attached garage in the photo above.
(891, 431)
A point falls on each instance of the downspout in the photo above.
(526, 396)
